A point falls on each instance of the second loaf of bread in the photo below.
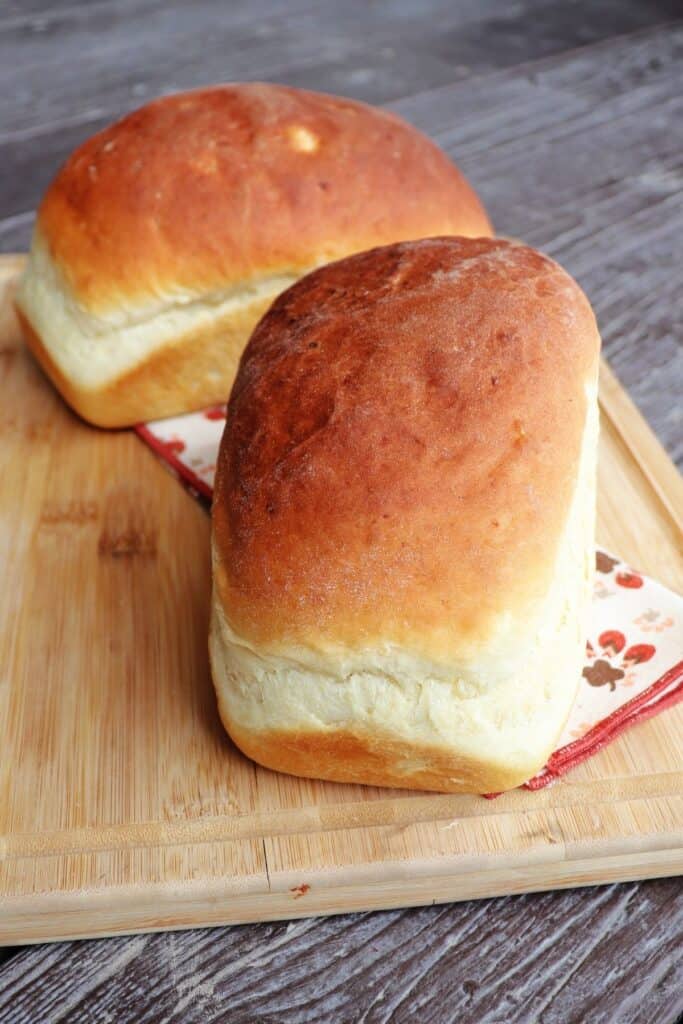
(164, 238)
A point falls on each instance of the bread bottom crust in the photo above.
(376, 759)
(187, 373)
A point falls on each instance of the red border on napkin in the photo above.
(167, 454)
(638, 709)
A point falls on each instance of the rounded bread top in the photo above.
(204, 191)
(402, 449)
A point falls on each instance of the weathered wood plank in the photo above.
(155, 43)
(38, 15)
(604, 955)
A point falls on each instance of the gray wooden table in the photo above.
(568, 119)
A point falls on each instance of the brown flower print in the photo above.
(605, 562)
(602, 674)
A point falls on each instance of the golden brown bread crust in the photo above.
(202, 190)
(195, 371)
(371, 760)
(402, 447)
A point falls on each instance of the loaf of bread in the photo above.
(164, 238)
(403, 519)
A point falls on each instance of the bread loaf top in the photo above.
(222, 188)
(402, 449)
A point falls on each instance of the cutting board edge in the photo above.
(64, 917)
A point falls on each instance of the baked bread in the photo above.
(164, 238)
(403, 519)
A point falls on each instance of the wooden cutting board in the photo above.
(123, 805)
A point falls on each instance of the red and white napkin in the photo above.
(634, 650)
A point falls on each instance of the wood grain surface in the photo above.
(613, 215)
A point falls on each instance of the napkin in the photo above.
(634, 651)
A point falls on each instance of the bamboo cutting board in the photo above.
(123, 805)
